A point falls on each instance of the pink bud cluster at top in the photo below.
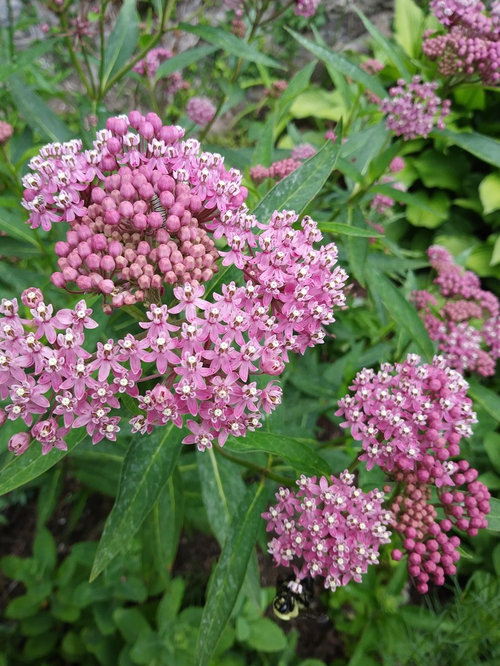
(432, 552)
(463, 318)
(149, 65)
(382, 203)
(328, 528)
(413, 109)
(303, 151)
(6, 132)
(277, 170)
(471, 44)
(409, 416)
(137, 206)
(372, 66)
(204, 354)
(200, 110)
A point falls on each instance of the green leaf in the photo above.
(339, 62)
(492, 446)
(131, 623)
(417, 214)
(19, 470)
(484, 147)
(357, 248)
(485, 398)
(122, 41)
(494, 516)
(13, 224)
(408, 26)
(300, 187)
(435, 169)
(297, 84)
(228, 576)
(44, 551)
(347, 230)
(263, 151)
(403, 313)
(221, 488)
(265, 636)
(36, 113)
(230, 43)
(318, 103)
(165, 522)
(402, 63)
(147, 466)
(489, 192)
(182, 60)
(299, 453)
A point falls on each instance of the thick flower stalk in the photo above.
(463, 318)
(202, 352)
(328, 528)
(413, 109)
(410, 419)
(471, 44)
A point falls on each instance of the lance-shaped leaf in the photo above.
(182, 60)
(484, 147)
(122, 41)
(146, 469)
(229, 574)
(19, 470)
(485, 398)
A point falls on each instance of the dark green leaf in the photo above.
(147, 466)
(165, 522)
(492, 446)
(229, 574)
(230, 43)
(357, 248)
(299, 188)
(339, 62)
(299, 453)
(494, 516)
(484, 147)
(19, 470)
(485, 398)
(347, 230)
(122, 41)
(182, 60)
(402, 312)
(36, 113)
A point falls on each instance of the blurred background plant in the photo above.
(282, 97)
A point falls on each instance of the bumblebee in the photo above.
(294, 596)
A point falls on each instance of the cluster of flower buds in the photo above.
(277, 170)
(303, 151)
(149, 65)
(328, 528)
(432, 552)
(471, 43)
(200, 110)
(6, 132)
(463, 318)
(413, 109)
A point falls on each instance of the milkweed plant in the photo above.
(287, 297)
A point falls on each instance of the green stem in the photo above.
(9, 164)
(262, 471)
(10, 30)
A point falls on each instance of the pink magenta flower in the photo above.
(413, 109)
(6, 131)
(146, 226)
(200, 110)
(328, 528)
(463, 318)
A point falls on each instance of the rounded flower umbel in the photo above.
(328, 528)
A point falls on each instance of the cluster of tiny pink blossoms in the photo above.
(463, 318)
(303, 151)
(277, 171)
(6, 131)
(138, 207)
(410, 419)
(471, 43)
(328, 528)
(200, 110)
(413, 109)
(149, 65)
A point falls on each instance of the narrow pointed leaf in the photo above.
(485, 398)
(20, 470)
(148, 464)
(181, 60)
(347, 230)
(484, 147)
(229, 574)
(122, 41)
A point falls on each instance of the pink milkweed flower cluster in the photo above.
(463, 318)
(137, 206)
(410, 418)
(328, 528)
(471, 44)
(6, 131)
(413, 109)
(204, 351)
(303, 151)
(200, 110)
(432, 551)
(277, 170)
(149, 66)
